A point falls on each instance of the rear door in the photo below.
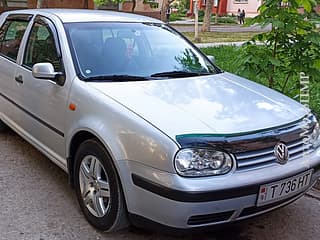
(12, 33)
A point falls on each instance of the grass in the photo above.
(209, 37)
(226, 58)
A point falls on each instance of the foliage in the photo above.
(101, 2)
(184, 5)
(225, 19)
(201, 14)
(227, 58)
(292, 46)
(165, 5)
(175, 17)
(152, 3)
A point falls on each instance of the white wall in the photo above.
(249, 6)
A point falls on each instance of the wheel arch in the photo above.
(78, 138)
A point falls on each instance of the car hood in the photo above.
(216, 104)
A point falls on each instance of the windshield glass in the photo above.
(143, 50)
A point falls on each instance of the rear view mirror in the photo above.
(46, 71)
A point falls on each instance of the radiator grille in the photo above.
(265, 157)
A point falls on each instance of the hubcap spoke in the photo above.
(84, 172)
(94, 186)
(84, 179)
(97, 170)
(93, 164)
(104, 188)
(87, 198)
(98, 205)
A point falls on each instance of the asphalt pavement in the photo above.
(38, 204)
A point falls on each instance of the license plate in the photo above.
(282, 189)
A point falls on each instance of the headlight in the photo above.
(315, 136)
(202, 162)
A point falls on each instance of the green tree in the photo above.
(291, 47)
(101, 2)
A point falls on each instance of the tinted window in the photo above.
(41, 48)
(11, 35)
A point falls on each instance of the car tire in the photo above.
(98, 188)
(3, 126)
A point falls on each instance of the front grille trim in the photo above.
(255, 159)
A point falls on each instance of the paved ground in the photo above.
(38, 204)
(189, 27)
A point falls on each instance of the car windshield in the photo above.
(133, 51)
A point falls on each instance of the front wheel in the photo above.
(98, 188)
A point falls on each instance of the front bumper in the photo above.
(186, 203)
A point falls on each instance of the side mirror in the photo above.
(46, 71)
(212, 59)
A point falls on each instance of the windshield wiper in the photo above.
(178, 74)
(117, 78)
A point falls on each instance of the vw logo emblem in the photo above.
(281, 152)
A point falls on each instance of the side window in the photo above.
(11, 34)
(41, 48)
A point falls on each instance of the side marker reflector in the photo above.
(72, 106)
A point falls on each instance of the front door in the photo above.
(44, 102)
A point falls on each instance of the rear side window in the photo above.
(11, 34)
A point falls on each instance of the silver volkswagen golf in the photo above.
(148, 129)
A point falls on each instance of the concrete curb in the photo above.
(205, 45)
(313, 193)
(317, 185)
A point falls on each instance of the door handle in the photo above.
(19, 79)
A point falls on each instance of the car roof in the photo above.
(87, 15)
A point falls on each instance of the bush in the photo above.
(175, 17)
(225, 19)
(201, 13)
(291, 47)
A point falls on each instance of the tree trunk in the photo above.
(217, 13)
(133, 5)
(4, 4)
(165, 5)
(39, 3)
(207, 16)
(86, 4)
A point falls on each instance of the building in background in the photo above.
(229, 7)
(144, 7)
(21, 4)
(249, 6)
(149, 8)
(13, 4)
